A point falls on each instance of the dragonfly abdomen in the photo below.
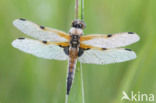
(71, 68)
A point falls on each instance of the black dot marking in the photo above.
(128, 49)
(60, 46)
(86, 48)
(22, 19)
(104, 48)
(42, 27)
(130, 32)
(109, 35)
(45, 42)
(21, 38)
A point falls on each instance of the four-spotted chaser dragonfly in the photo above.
(73, 46)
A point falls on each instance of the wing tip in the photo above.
(17, 20)
(136, 35)
(16, 41)
(133, 54)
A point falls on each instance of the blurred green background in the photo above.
(28, 79)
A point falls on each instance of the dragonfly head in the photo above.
(77, 27)
(78, 24)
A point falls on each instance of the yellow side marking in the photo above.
(63, 44)
(62, 34)
(89, 37)
(84, 46)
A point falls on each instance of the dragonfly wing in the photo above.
(110, 40)
(40, 49)
(95, 56)
(40, 32)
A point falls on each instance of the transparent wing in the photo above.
(110, 40)
(40, 32)
(93, 56)
(40, 49)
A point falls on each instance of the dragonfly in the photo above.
(74, 46)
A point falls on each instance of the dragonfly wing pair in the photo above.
(104, 48)
(41, 47)
(51, 43)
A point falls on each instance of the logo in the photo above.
(138, 97)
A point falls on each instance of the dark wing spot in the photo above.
(104, 48)
(21, 38)
(42, 27)
(60, 46)
(66, 50)
(45, 42)
(128, 49)
(109, 35)
(22, 19)
(81, 51)
(131, 33)
(86, 48)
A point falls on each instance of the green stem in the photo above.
(82, 84)
(80, 15)
(79, 9)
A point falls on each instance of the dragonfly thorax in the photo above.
(76, 31)
(74, 42)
